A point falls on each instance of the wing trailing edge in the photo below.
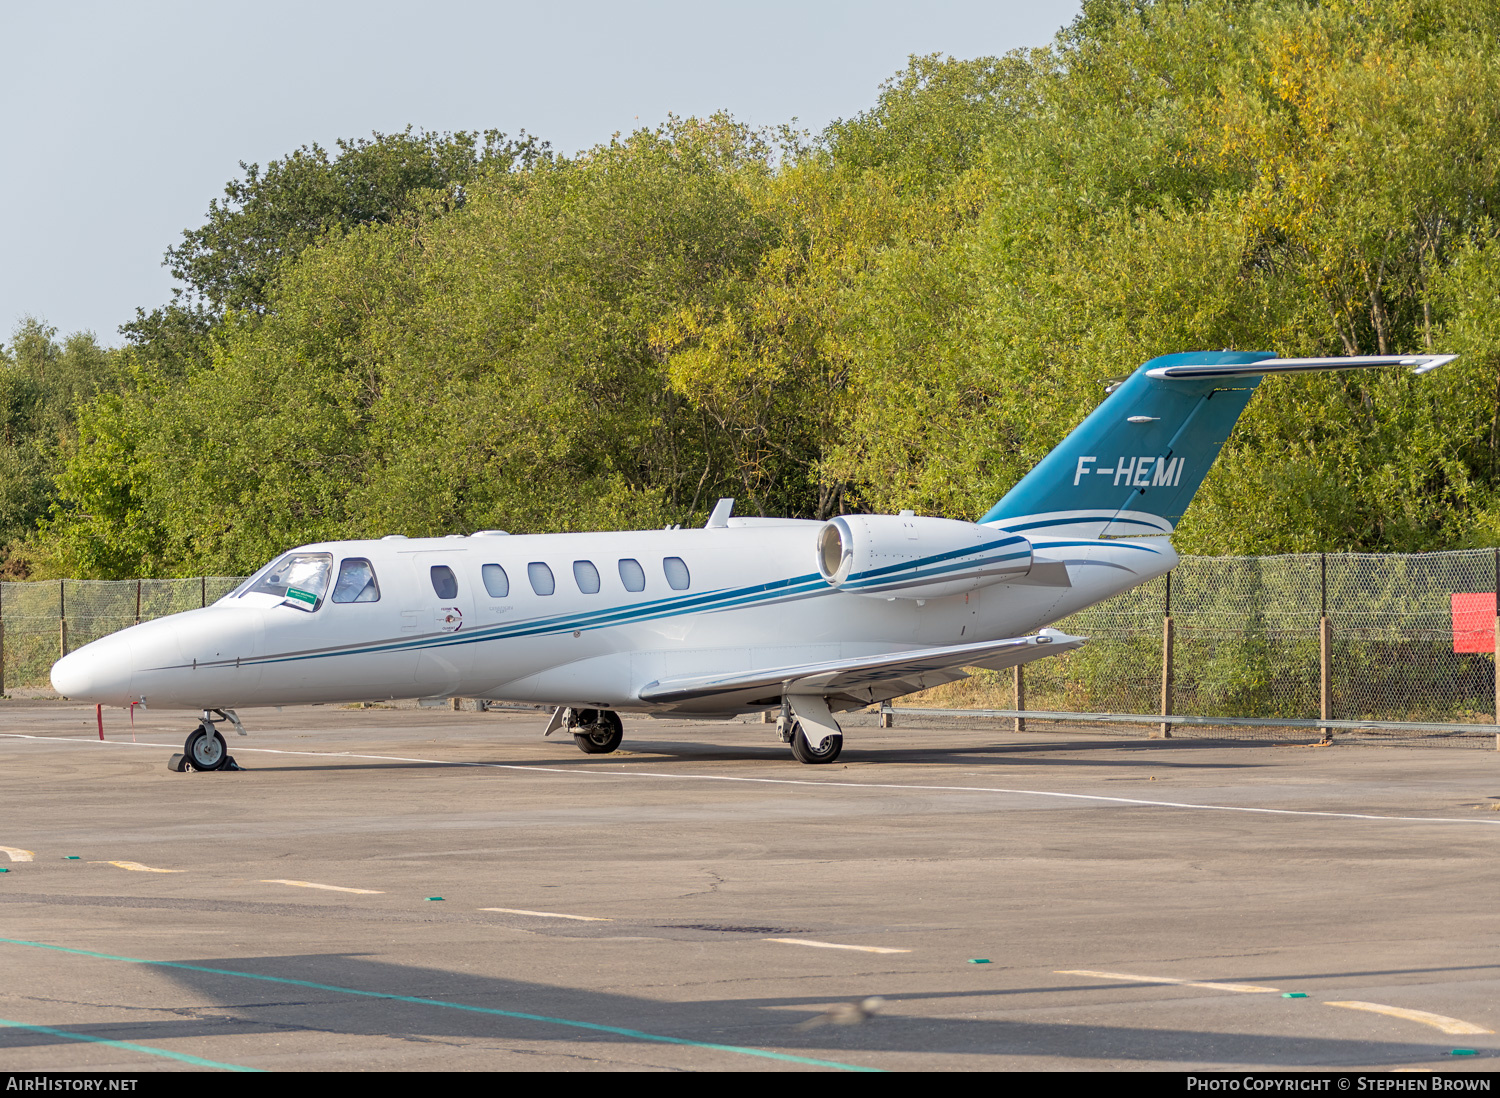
(857, 681)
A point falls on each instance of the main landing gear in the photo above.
(205, 748)
(808, 727)
(595, 731)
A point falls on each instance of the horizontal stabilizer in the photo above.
(856, 681)
(1420, 364)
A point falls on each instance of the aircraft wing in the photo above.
(851, 683)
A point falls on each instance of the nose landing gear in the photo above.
(596, 731)
(205, 748)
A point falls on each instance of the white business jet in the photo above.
(806, 618)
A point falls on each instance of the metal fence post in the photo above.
(1497, 646)
(138, 602)
(1167, 638)
(1020, 698)
(62, 620)
(2, 638)
(202, 591)
(1325, 657)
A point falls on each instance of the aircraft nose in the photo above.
(91, 675)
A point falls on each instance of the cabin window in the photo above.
(632, 575)
(300, 579)
(541, 578)
(496, 582)
(677, 573)
(356, 582)
(444, 582)
(586, 576)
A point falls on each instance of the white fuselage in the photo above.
(753, 598)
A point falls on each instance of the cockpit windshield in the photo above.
(301, 579)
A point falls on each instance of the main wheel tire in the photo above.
(602, 736)
(803, 752)
(206, 752)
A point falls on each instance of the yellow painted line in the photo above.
(1455, 1026)
(17, 854)
(546, 914)
(137, 867)
(836, 945)
(329, 888)
(1247, 988)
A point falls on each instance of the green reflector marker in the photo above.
(434, 897)
(979, 960)
(1294, 995)
(1463, 1052)
(71, 858)
(3, 869)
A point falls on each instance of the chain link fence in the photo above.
(1247, 643)
(43, 620)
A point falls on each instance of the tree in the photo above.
(268, 217)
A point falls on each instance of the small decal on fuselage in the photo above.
(1142, 471)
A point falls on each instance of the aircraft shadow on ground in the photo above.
(648, 753)
(249, 1006)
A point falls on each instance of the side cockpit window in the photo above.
(356, 582)
(298, 579)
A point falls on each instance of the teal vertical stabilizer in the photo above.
(1131, 468)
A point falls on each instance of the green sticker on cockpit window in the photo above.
(302, 596)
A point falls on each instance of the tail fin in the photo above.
(1133, 466)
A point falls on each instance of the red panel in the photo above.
(1473, 622)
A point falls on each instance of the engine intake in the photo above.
(906, 557)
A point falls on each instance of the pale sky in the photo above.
(122, 120)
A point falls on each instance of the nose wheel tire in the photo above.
(599, 735)
(206, 750)
(803, 751)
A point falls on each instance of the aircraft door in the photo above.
(359, 609)
(442, 623)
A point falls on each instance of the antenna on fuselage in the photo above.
(720, 517)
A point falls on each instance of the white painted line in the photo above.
(1211, 985)
(135, 867)
(816, 783)
(1454, 1026)
(17, 854)
(836, 945)
(328, 888)
(546, 914)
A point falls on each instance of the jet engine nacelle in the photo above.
(906, 557)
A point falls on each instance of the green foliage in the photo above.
(427, 333)
(41, 383)
(268, 217)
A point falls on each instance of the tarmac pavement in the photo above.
(418, 889)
